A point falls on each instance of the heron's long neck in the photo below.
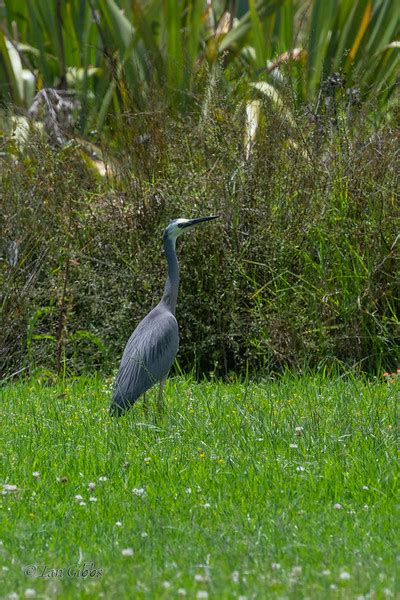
(172, 284)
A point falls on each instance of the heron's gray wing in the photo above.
(148, 356)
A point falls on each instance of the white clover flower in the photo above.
(298, 430)
(29, 593)
(91, 486)
(337, 506)
(294, 446)
(36, 474)
(141, 492)
(235, 576)
(202, 595)
(206, 505)
(92, 499)
(103, 478)
(344, 576)
(78, 497)
(326, 572)
(275, 566)
(181, 592)
(82, 503)
(127, 552)
(147, 459)
(300, 469)
(118, 524)
(166, 585)
(9, 487)
(200, 578)
(296, 571)
(188, 490)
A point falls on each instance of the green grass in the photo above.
(240, 483)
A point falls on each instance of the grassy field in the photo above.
(285, 489)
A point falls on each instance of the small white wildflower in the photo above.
(9, 487)
(298, 430)
(144, 534)
(344, 576)
(181, 592)
(92, 499)
(275, 566)
(141, 492)
(188, 490)
(337, 506)
(387, 593)
(294, 446)
(78, 497)
(166, 585)
(366, 507)
(36, 474)
(333, 586)
(365, 487)
(91, 486)
(202, 595)
(29, 593)
(200, 578)
(326, 572)
(4, 568)
(296, 571)
(118, 523)
(300, 469)
(103, 478)
(13, 596)
(235, 577)
(127, 552)
(82, 503)
(206, 505)
(242, 597)
(147, 459)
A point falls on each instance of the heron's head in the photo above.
(179, 226)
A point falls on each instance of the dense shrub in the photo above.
(301, 269)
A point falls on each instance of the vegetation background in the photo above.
(280, 116)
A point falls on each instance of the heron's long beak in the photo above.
(198, 220)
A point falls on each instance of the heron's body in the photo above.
(152, 347)
(148, 356)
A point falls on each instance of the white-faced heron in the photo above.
(152, 347)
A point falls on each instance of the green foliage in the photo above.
(302, 267)
(122, 55)
(282, 489)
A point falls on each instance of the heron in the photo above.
(152, 347)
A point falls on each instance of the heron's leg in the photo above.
(160, 393)
(145, 405)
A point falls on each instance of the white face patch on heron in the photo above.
(173, 229)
